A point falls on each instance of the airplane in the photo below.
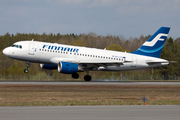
(69, 59)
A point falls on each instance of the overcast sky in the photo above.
(115, 17)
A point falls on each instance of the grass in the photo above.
(71, 95)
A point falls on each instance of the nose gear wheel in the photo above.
(27, 66)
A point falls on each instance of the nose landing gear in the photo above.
(27, 66)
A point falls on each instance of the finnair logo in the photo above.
(67, 49)
(157, 38)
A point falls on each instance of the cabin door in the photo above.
(134, 61)
(31, 49)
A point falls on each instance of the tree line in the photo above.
(171, 51)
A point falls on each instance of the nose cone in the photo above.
(6, 51)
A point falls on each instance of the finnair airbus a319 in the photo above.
(72, 59)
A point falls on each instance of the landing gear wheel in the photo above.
(87, 78)
(27, 66)
(75, 75)
(26, 70)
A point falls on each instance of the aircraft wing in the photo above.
(89, 64)
(99, 64)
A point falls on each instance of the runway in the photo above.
(86, 83)
(109, 112)
(137, 112)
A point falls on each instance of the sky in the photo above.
(128, 18)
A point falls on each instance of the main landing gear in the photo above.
(75, 75)
(27, 66)
(86, 77)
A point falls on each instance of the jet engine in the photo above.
(48, 66)
(69, 68)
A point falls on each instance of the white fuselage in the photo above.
(53, 53)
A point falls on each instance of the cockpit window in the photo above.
(13, 45)
(17, 46)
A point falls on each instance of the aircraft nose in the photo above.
(6, 51)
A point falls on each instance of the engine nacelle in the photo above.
(48, 66)
(68, 68)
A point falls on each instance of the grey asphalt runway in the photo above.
(122, 112)
(141, 112)
(87, 83)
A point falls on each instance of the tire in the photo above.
(87, 78)
(26, 70)
(75, 75)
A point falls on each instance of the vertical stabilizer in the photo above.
(154, 45)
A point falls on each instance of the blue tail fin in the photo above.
(154, 45)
